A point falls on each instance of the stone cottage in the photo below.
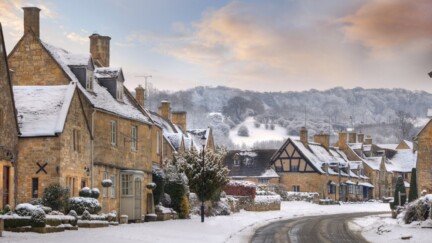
(8, 131)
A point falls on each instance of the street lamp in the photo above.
(203, 139)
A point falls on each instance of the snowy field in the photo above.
(237, 227)
(257, 134)
(383, 228)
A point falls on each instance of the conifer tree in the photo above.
(400, 188)
(413, 186)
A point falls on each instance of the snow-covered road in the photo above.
(237, 227)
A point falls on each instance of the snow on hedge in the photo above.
(267, 199)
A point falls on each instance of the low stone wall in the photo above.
(263, 207)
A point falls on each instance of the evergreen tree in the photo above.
(413, 186)
(400, 188)
(215, 173)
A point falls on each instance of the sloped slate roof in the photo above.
(175, 139)
(43, 108)
(388, 146)
(196, 136)
(254, 163)
(99, 96)
(373, 162)
(403, 161)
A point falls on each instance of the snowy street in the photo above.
(238, 227)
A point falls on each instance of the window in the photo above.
(35, 186)
(294, 168)
(126, 185)
(331, 189)
(134, 138)
(296, 188)
(105, 189)
(157, 142)
(89, 79)
(350, 189)
(114, 186)
(113, 132)
(76, 142)
(236, 162)
(263, 180)
(119, 94)
(83, 183)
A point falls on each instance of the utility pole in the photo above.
(146, 92)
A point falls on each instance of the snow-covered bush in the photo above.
(158, 177)
(418, 210)
(73, 213)
(243, 131)
(80, 204)
(166, 200)
(25, 209)
(85, 192)
(38, 218)
(222, 207)
(240, 188)
(6, 209)
(55, 197)
(95, 193)
(86, 215)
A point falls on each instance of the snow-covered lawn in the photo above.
(237, 227)
(257, 134)
(383, 228)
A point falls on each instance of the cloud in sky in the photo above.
(77, 38)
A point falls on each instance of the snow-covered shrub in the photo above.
(85, 192)
(240, 188)
(281, 190)
(25, 209)
(418, 210)
(243, 131)
(106, 183)
(158, 177)
(175, 189)
(95, 193)
(38, 218)
(80, 204)
(36, 201)
(55, 197)
(166, 200)
(86, 215)
(6, 209)
(222, 207)
(73, 213)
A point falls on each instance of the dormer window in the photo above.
(89, 79)
(119, 93)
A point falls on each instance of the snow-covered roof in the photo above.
(250, 163)
(99, 97)
(388, 146)
(107, 72)
(409, 144)
(42, 110)
(355, 145)
(367, 184)
(175, 139)
(64, 57)
(367, 147)
(167, 126)
(403, 161)
(196, 135)
(373, 162)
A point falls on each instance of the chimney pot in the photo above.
(31, 20)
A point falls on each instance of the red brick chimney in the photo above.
(31, 20)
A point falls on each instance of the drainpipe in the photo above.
(92, 149)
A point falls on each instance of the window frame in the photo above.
(113, 192)
(105, 189)
(119, 91)
(134, 138)
(126, 185)
(35, 191)
(113, 133)
(89, 79)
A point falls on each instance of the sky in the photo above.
(277, 45)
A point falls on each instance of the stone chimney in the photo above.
(31, 20)
(139, 95)
(303, 135)
(368, 140)
(100, 49)
(179, 118)
(352, 137)
(360, 137)
(342, 140)
(165, 109)
(323, 139)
